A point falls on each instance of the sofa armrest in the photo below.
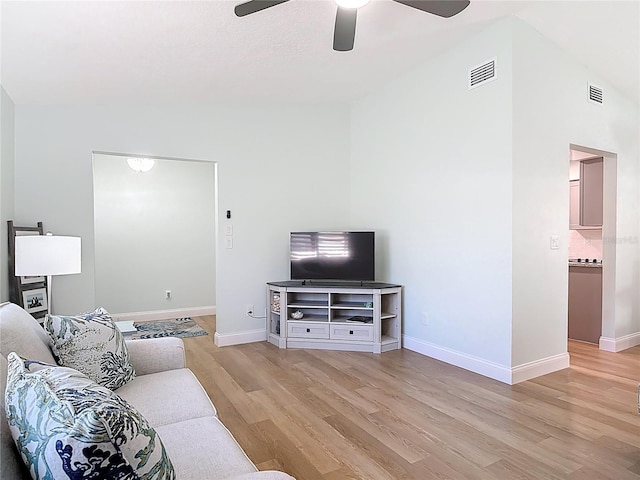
(263, 475)
(154, 355)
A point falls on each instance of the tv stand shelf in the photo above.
(362, 316)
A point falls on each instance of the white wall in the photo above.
(154, 231)
(280, 168)
(431, 171)
(7, 204)
(463, 187)
(551, 112)
(474, 183)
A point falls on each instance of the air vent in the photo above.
(482, 74)
(595, 94)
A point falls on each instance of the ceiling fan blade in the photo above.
(344, 32)
(253, 6)
(442, 8)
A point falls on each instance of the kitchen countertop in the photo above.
(585, 265)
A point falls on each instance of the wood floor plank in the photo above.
(329, 415)
(376, 450)
(347, 454)
(336, 388)
(432, 429)
(286, 453)
(505, 470)
(588, 454)
(298, 432)
(629, 452)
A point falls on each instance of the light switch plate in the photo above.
(228, 241)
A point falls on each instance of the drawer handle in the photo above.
(308, 330)
(350, 332)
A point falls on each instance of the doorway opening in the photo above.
(155, 236)
(592, 246)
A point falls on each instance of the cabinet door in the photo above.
(585, 304)
(574, 204)
(591, 198)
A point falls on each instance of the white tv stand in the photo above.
(331, 313)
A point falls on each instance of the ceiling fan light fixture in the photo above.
(352, 3)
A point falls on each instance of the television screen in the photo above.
(333, 256)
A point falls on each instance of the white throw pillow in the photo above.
(92, 344)
(66, 426)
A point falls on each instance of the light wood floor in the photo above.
(341, 415)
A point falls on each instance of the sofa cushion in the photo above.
(187, 441)
(66, 426)
(92, 344)
(19, 332)
(168, 397)
(11, 465)
(23, 334)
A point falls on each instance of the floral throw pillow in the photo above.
(66, 426)
(92, 344)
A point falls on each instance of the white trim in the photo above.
(620, 343)
(462, 360)
(165, 314)
(487, 368)
(537, 368)
(237, 338)
(320, 344)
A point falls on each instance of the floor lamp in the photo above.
(47, 255)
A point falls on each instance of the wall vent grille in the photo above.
(595, 94)
(483, 73)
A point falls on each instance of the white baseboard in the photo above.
(537, 368)
(620, 343)
(165, 314)
(487, 368)
(462, 360)
(249, 336)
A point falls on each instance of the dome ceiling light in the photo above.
(140, 164)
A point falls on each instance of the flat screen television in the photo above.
(335, 256)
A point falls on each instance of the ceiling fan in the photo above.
(345, 29)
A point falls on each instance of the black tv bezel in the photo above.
(324, 279)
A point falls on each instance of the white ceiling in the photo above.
(95, 52)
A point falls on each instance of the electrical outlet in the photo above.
(424, 318)
(167, 294)
(249, 310)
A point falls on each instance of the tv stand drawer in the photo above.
(352, 332)
(307, 329)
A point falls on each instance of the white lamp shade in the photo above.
(47, 255)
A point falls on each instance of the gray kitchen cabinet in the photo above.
(586, 196)
(585, 303)
(591, 189)
(574, 205)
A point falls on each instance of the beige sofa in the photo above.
(166, 393)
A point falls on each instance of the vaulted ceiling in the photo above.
(96, 52)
